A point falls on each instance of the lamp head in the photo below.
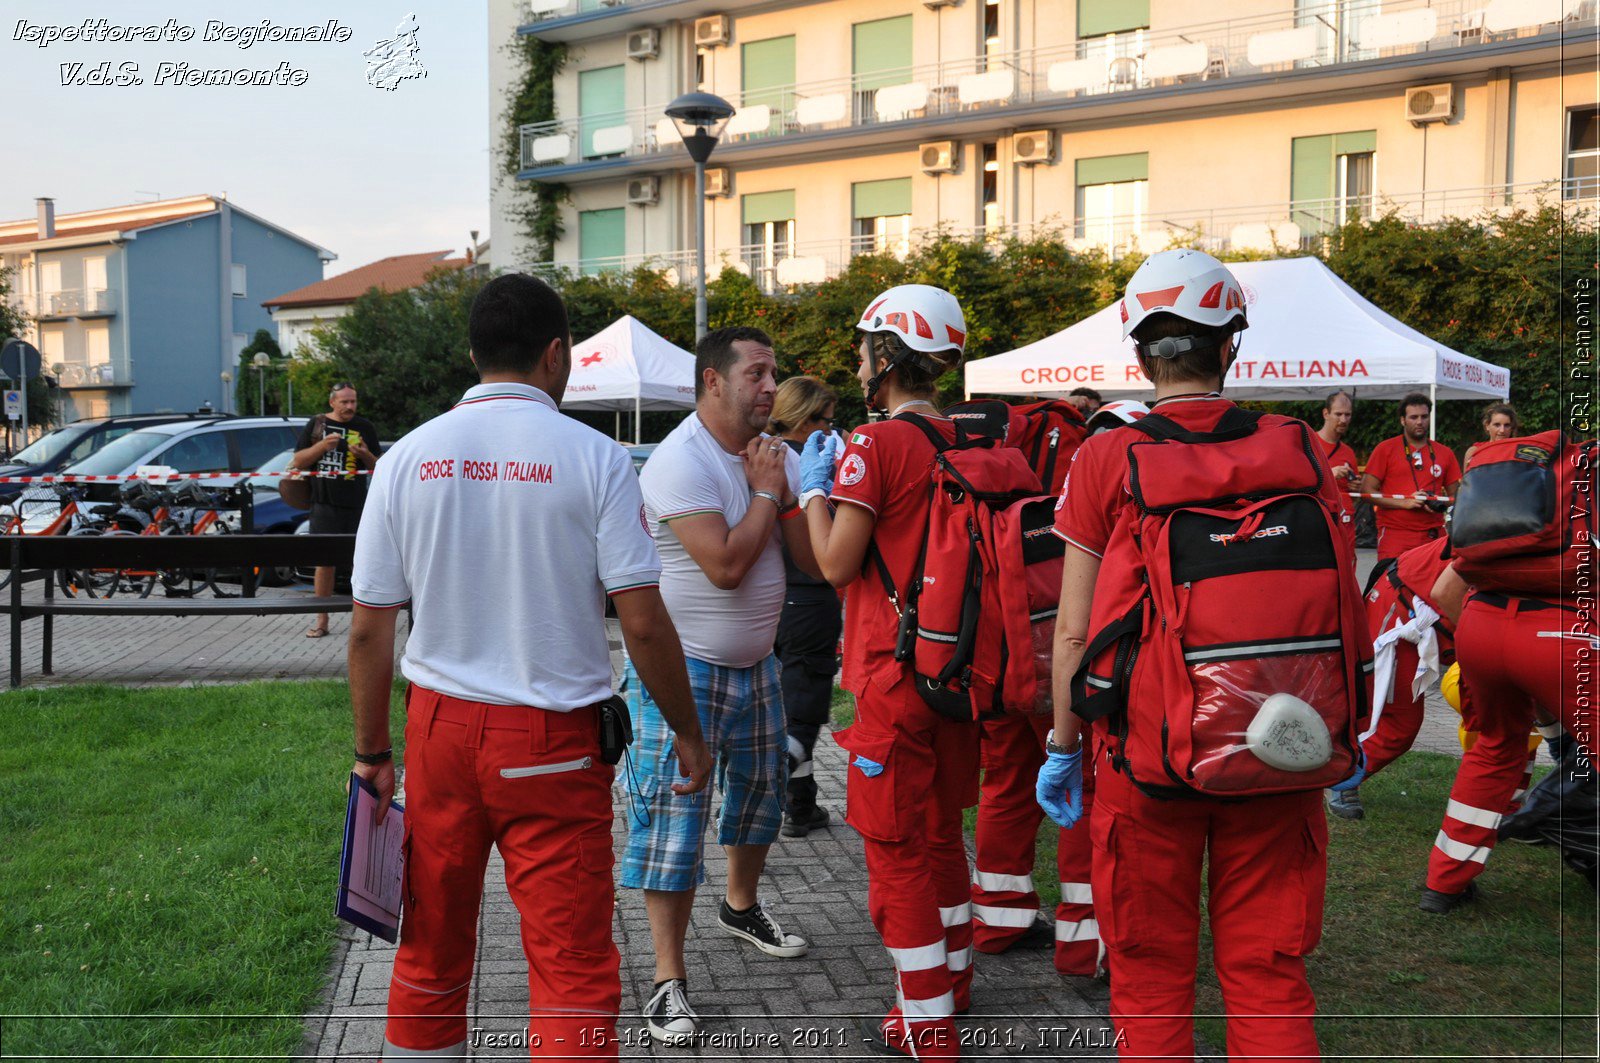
(261, 360)
(700, 118)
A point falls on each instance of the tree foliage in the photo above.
(247, 379)
(1498, 288)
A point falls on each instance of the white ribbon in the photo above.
(1418, 631)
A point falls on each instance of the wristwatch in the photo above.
(1050, 745)
(375, 758)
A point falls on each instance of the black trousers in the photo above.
(807, 649)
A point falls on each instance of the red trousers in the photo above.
(1515, 655)
(1004, 901)
(1392, 542)
(918, 891)
(530, 783)
(1402, 715)
(1267, 865)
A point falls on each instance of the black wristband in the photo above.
(375, 758)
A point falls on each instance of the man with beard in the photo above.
(1413, 473)
(720, 500)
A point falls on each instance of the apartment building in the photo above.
(142, 308)
(1124, 124)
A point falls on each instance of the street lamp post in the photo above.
(227, 391)
(261, 361)
(700, 118)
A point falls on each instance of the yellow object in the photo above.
(1450, 687)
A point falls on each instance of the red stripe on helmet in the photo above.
(897, 319)
(873, 308)
(1213, 297)
(1163, 297)
(922, 326)
(957, 337)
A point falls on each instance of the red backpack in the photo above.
(1226, 582)
(1029, 567)
(1048, 433)
(1524, 519)
(950, 610)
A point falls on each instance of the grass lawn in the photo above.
(173, 853)
(1393, 981)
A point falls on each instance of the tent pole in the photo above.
(638, 422)
(616, 425)
(1433, 409)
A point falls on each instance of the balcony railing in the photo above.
(94, 375)
(1102, 66)
(1282, 228)
(70, 302)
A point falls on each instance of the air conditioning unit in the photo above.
(644, 191)
(941, 156)
(719, 182)
(1430, 103)
(1032, 148)
(644, 44)
(934, 5)
(710, 32)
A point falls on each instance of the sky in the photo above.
(362, 171)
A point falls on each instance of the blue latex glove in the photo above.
(1060, 787)
(817, 459)
(870, 768)
(1353, 780)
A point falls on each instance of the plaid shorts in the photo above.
(741, 713)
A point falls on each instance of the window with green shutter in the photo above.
(602, 97)
(768, 234)
(881, 52)
(1099, 17)
(602, 239)
(881, 216)
(762, 207)
(1330, 179)
(767, 77)
(1112, 197)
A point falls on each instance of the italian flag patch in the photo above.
(859, 440)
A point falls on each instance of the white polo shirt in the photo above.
(689, 473)
(505, 525)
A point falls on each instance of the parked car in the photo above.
(217, 445)
(274, 516)
(74, 442)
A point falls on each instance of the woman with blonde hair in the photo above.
(809, 629)
(1500, 421)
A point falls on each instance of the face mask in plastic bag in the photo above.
(1288, 734)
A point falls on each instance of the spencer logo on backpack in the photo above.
(1524, 522)
(1230, 655)
(950, 609)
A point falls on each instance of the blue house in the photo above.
(142, 308)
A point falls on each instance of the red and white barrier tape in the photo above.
(161, 478)
(1425, 498)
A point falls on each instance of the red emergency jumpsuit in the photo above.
(1004, 901)
(1515, 653)
(554, 831)
(1389, 605)
(911, 771)
(1265, 858)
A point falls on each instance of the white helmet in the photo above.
(1116, 414)
(927, 319)
(1185, 283)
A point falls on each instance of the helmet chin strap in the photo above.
(874, 382)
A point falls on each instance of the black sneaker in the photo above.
(1040, 934)
(668, 1016)
(1346, 804)
(1438, 903)
(761, 930)
(797, 823)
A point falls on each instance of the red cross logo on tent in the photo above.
(593, 358)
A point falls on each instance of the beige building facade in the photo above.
(1123, 124)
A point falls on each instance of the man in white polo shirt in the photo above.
(719, 497)
(506, 525)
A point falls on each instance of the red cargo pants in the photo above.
(529, 782)
(1514, 654)
(918, 891)
(1267, 865)
(1004, 901)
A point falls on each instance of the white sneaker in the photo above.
(668, 1016)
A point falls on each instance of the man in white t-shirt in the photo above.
(507, 525)
(720, 499)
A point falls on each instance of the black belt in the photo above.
(1524, 605)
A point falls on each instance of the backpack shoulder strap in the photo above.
(940, 443)
(1235, 423)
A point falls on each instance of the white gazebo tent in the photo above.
(625, 366)
(1310, 334)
